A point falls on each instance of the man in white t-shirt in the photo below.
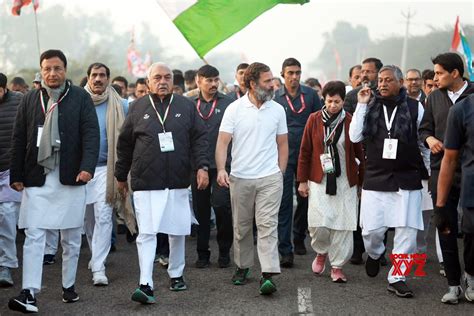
(256, 125)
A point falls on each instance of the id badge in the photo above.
(166, 142)
(40, 133)
(326, 163)
(390, 148)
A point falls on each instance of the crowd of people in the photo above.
(174, 152)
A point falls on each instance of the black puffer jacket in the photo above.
(138, 147)
(8, 107)
(78, 132)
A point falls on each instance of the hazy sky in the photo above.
(286, 30)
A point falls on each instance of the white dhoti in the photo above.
(98, 219)
(381, 210)
(51, 206)
(162, 211)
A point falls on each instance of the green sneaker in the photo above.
(177, 284)
(240, 276)
(267, 286)
(144, 295)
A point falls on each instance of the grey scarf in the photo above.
(50, 143)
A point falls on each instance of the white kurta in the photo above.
(97, 187)
(53, 205)
(426, 200)
(338, 211)
(163, 211)
(391, 209)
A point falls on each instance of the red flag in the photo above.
(18, 4)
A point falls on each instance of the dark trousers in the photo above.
(285, 215)
(449, 243)
(162, 245)
(219, 198)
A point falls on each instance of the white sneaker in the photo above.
(469, 292)
(453, 295)
(99, 278)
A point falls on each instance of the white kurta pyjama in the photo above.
(53, 205)
(163, 211)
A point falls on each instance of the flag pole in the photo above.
(37, 33)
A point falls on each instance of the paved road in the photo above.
(210, 291)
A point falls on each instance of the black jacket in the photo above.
(212, 125)
(78, 131)
(405, 172)
(8, 107)
(138, 147)
(435, 118)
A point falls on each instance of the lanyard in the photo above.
(51, 108)
(162, 120)
(387, 122)
(303, 104)
(213, 107)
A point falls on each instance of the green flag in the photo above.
(206, 23)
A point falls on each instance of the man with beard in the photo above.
(55, 146)
(211, 106)
(162, 135)
(102, 191)
(452, 88)
(391, 194)
(368, 72)
(413, 83)
(256, 125)
(299, 102)
(240, 89)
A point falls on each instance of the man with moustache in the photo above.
(55, 146)
(413, 83)
(161, 139)
(240, 89)
(102, 191)
(369, 70)
(354, 77)
(391, 193)
(299, 102)
(256, 125)
(211, 106)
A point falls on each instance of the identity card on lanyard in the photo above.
(303, 104)
(389, 145)
(165, 138)
(46, 113)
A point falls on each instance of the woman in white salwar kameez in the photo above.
(329, 173)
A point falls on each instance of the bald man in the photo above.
(162, 140)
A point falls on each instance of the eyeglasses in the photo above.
(52, 69)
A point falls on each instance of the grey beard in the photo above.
(263, 95)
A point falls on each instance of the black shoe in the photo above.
(121, 229)
(144, 295)
(383, 261)
(240, 276)
(300, 248)
(372, 267)
(400, 289)
(25, 303)
(356, 257)
(48, 259)
(286, 261)
(178, 284)
(70, 295)
(202, 263)
(224, 261)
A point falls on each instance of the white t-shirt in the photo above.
(254, 132)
